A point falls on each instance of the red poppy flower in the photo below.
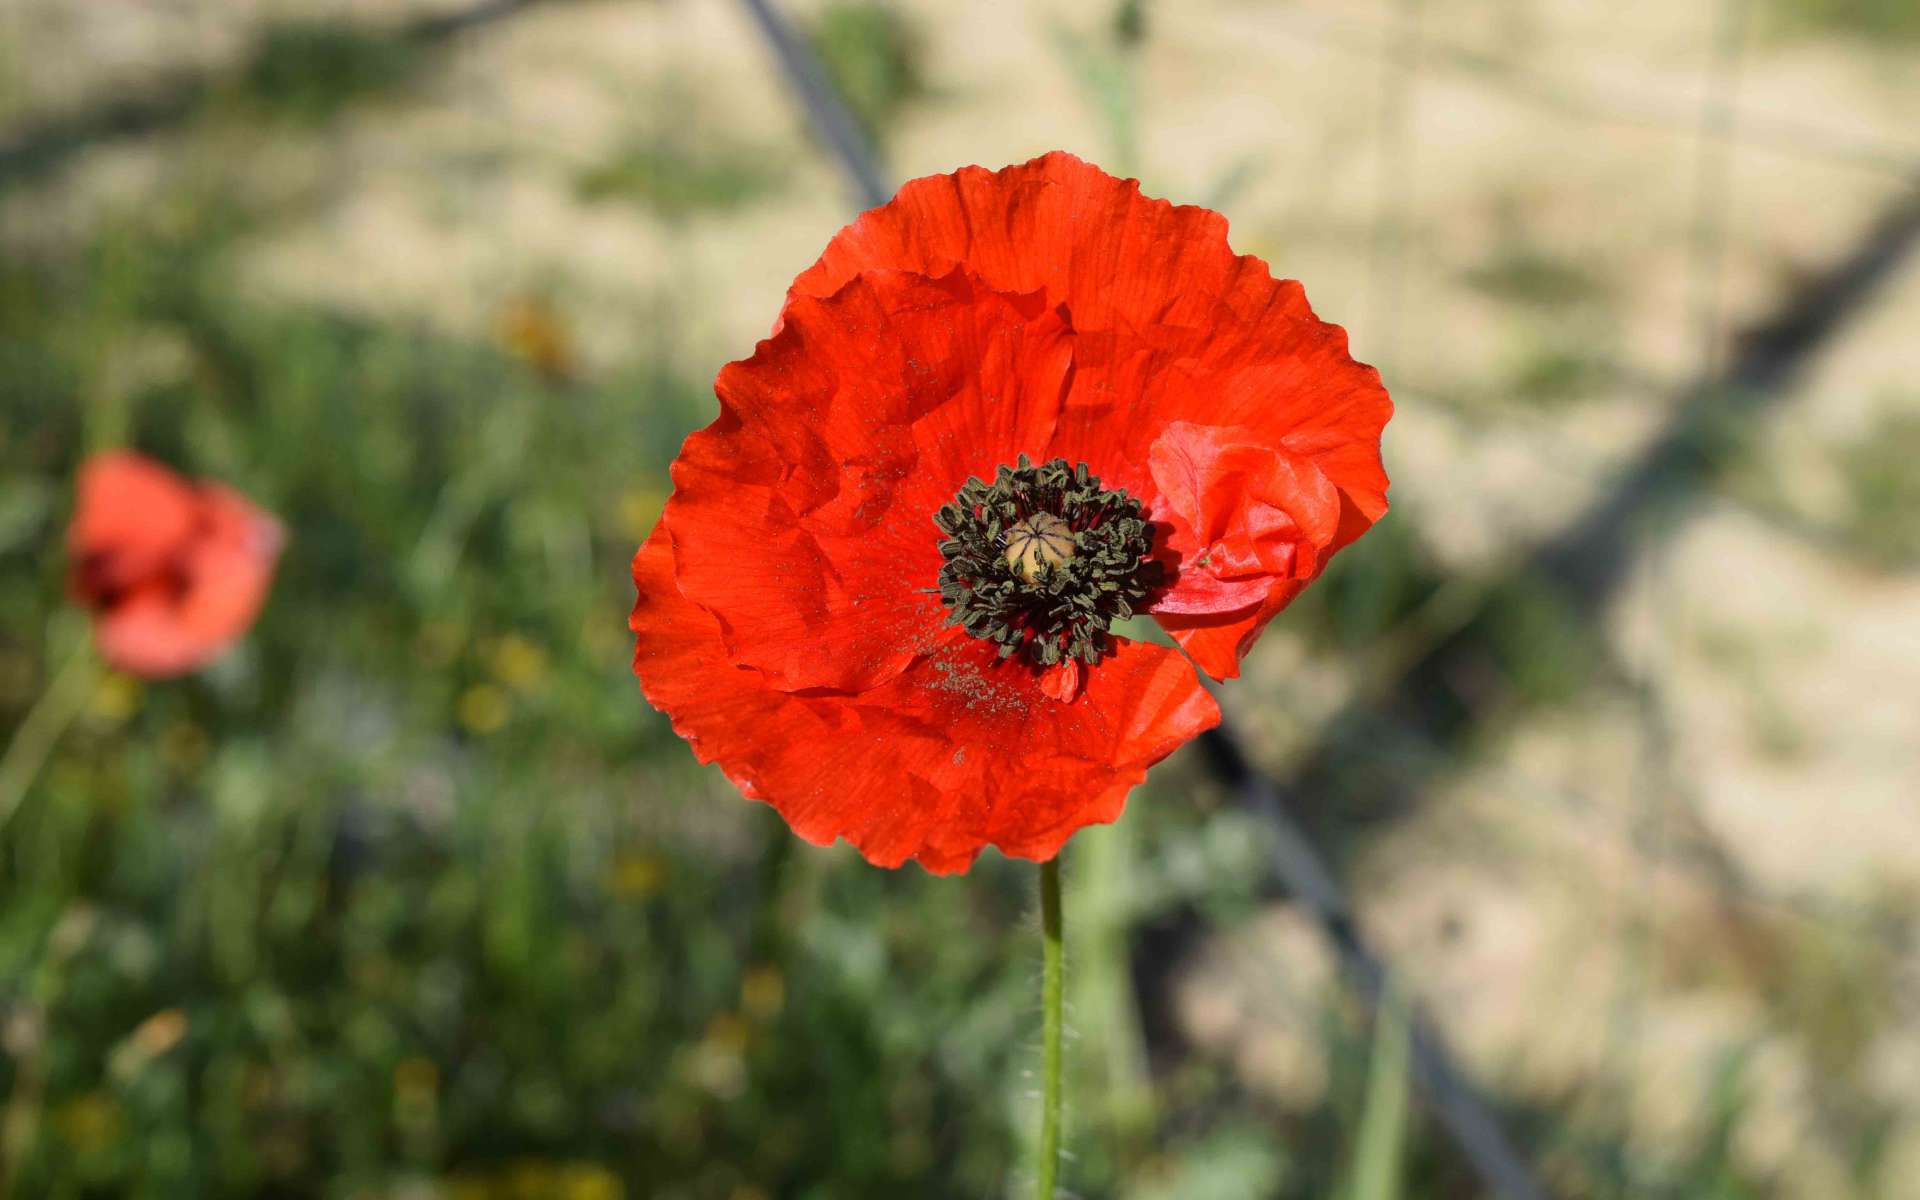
(173, 571)
(1002, 412)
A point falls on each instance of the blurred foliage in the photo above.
(1544, 647)
(12, 88)
(1883, 489)
(1563, 343)
(1371, 588)
(1379, 1142)
(306, 72)
(1557, 368)
(675, 179)
(1520, 271)
(1894, 21)
(1869, 508)
(1103, 64)
(875, 57)
(1130, 22)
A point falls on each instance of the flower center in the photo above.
(1043, 560)
(1040, 542)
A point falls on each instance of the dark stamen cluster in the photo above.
(1053, 610)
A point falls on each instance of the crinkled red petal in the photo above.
(1306, 420)
(1063, 226)
(814, 492)
(956, 752)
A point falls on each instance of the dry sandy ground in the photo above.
(1552, 900)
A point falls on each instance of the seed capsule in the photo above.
(1042, 540)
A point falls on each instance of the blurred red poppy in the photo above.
(173, 571)
(1003, 412)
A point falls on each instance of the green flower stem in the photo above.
(1050, 1002)
(65, 696)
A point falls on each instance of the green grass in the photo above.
(1875, 519)
(1555, 371)
(1886, 21)
(1521, 272)
(875, 57)
(1379, 1144)
(674, 180)
(1560, 309)
(1882, 525)
(307, 72)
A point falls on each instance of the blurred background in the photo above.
(1611, 729)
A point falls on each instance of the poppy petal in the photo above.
(1241, 516)
(958, 752)
(1283, 390)
(837, 441)
(1060, 225)
(131, 515)
(173, 572)
(229, 566)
